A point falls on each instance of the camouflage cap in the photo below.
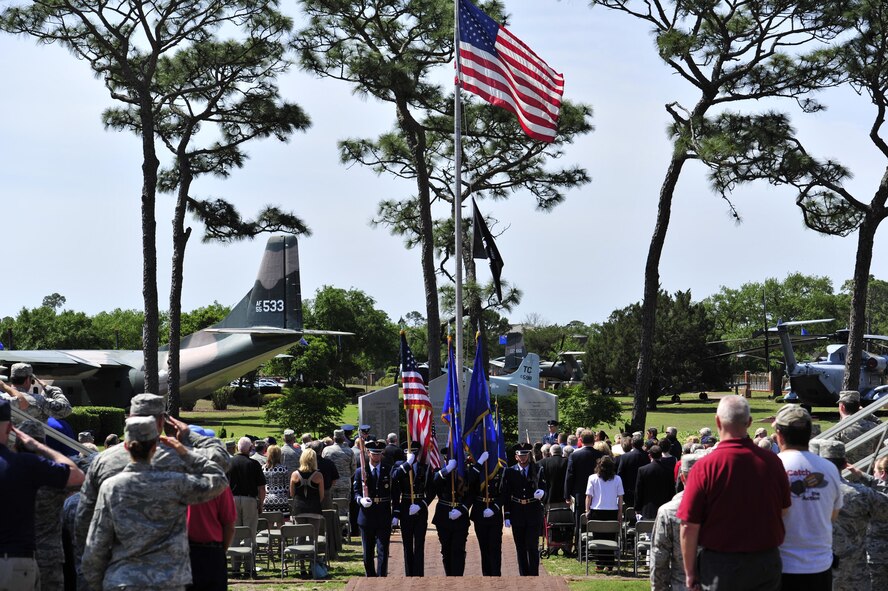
(846, 396)
(147, 405)
(21, 370)
(85, 436)
(289, 432)
(5, 410)
(814, 446)
(33, 429)
(140, 429)
(832, 450)
(792, 415)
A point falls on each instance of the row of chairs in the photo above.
(277, 540)
(615, 537)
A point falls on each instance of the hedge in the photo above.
(101, 420)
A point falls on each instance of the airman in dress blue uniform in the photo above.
(414, 480)
(524, 489)
(487, 514)
(375, 513)
(452, 518)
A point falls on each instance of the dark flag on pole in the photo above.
(483, 247)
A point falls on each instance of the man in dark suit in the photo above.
(555, 469)
(375, 514)
(393, 452)
(524, 491)
(627, 468)
(580, 466)
(655, 485)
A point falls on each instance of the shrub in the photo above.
(313, 410)
(580, 407)
(187, 406)
(268, 398)
(101, 420)
(221, 398)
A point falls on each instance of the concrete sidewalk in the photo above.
(434, 579)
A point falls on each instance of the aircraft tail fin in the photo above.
(276, 298)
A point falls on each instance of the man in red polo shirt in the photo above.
(732, 510)
(210, 531)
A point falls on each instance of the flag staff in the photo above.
(457, 196)
(407, 420)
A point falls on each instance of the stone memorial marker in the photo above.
(379, 409)
(535, 407)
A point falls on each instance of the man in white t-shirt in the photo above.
(814, 484)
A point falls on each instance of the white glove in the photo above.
(507, 523)
(538, 494)
(365, 501)
(488, 512)
(394, 522)
(451, 464)
(414, 509)
(483, 458)
(410, 459)
(454, 514)
(638, 517)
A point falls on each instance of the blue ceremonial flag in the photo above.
(478, 408)
(501, 457)
(450, 414)
(503, 340)
(804, 332)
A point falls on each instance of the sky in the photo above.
(71, 190)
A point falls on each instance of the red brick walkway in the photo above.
(435, 580)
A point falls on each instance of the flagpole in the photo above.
(457, 196)
(407, 420)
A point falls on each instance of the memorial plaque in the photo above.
(379, 409)
(535, 408)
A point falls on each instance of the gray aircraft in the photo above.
(266, 322)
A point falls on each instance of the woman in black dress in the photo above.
(307, 485)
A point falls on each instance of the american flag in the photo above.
(501, 69)
(420, 423)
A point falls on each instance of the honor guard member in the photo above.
(524, 487)
(452, 517)
(487, 515)
(414, 480)
(552, 436)
(375, 512)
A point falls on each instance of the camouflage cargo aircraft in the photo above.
(266, 322)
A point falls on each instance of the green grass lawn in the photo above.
(687, 416)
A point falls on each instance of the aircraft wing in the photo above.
(47, 359)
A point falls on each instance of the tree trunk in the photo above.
(150, 164)
(417, 142)
(180, 241)
(651, 290)
(857, 322)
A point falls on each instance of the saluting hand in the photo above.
(175, 444)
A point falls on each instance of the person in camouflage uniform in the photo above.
(342, 457)
(137, 538)
(667, 569)
(113, 461)
(849, 403)
(51, 403)
(47, 522)
(877, 529)
(861, 505)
